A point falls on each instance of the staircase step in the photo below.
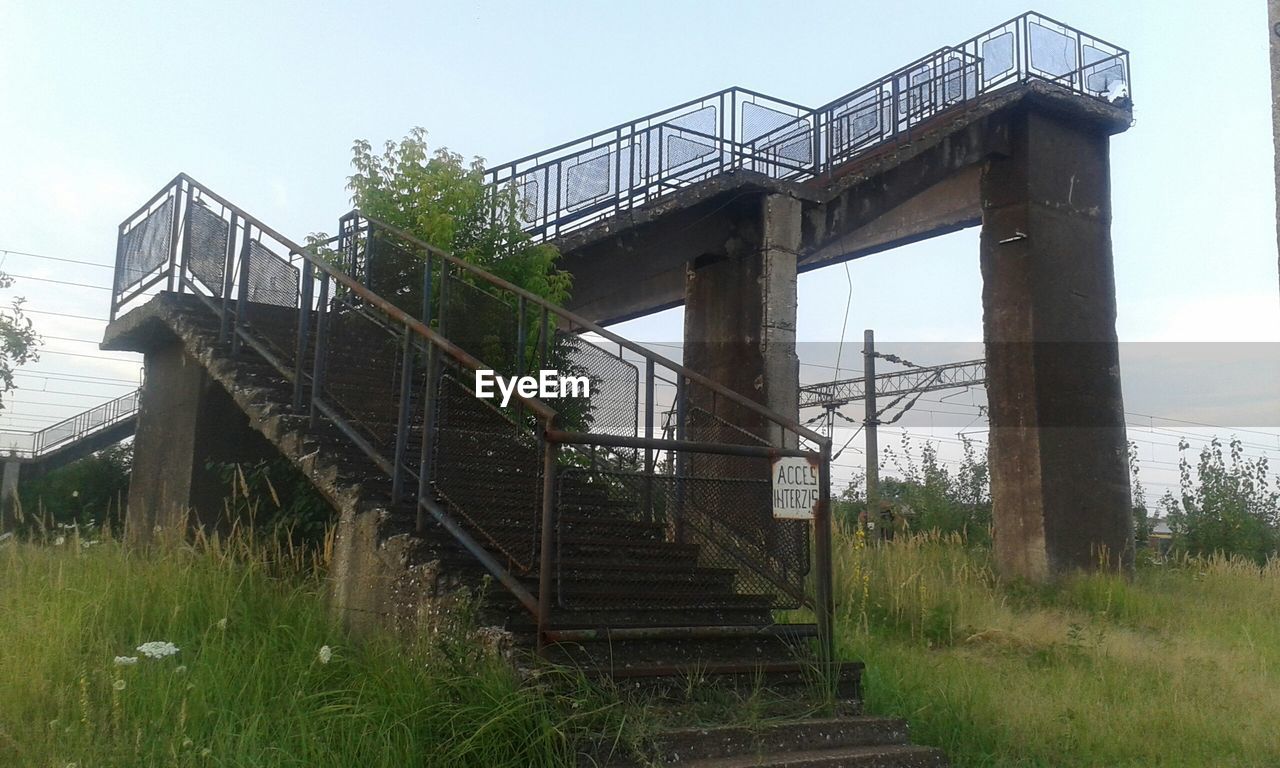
(818, 733)
(886, 756)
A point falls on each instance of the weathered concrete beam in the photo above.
(1058, 452)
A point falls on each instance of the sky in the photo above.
(101, 103)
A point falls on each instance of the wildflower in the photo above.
(126, 661)
(119, 684)
(158, 649)
(326, 654)
(181, 669)
(222, 623)
(60, 541)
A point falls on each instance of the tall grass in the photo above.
(1178, 666)
(250, 685)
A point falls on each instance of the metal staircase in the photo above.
(630, 554)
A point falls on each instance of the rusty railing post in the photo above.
(546, 556)
(825, 608)
(242, 292)
(304, 331)
(402, 419)
(318, 357)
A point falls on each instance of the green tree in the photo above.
(1229, 506)
(19, 342)
(443, 200)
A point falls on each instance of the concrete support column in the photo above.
(1273, 32)
(9, 494)
(186, 421)
(740, 319)
(1058, 455)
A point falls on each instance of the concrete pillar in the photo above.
(1059, 474)
(740, 318)
(1273, 32)
(186, 421)
(9, 494)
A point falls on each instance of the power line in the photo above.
(60, 282)
(62, 314)
(88, 357)
(65, 376)
(55, 258)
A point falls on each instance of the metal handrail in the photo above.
(804, 147)
(161, 248)
(73, 429)
(581, 324)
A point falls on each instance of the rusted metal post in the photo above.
(648, 435)
(546, 555)
(173, 232)
(181, 264)
(304, 331)
(228, 270)
(402, 420)
(430, 391)
(242, 292)
(322, 337)
(825, 608)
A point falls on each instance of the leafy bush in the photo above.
(1229, 507)
(935, 499)
(93, 489)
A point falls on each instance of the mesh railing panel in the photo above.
(207, 247)
(686, 526)
(272, 279)
(145, 246)
(489, 471)
(613, 407)
(362, 374)
(481, 324)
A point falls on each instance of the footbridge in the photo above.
(628, 553)
(31, 454)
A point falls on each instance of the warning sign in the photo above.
(795, 488)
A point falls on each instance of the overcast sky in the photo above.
(101, 103)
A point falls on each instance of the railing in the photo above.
(33, 445)
(576, 183)
(382, 335)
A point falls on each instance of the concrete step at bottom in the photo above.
(889, 756)
(795, 735)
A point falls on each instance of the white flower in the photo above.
(60, 541)
(126, 661)
(75, 494)
(222, 623)
(158, 649)
(181, 669)
(326, 654)
(118, 685)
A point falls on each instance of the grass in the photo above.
(249, 686)
(1178, 666)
